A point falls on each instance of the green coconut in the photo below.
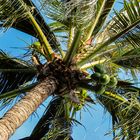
(100, 89)
(113, 82)
(105, 79)
(96, 76)
(99, 68)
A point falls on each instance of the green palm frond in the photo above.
(130, 59)
(122, 30)
(124, 115)
(104, 14)
(14, 72)
(103, 9)
(24, 24)
(127, 17)
(125, 118)
(79, 12)
(58, 27)
(10, 11)
(69, 16)
(123, 103)
(14, 93)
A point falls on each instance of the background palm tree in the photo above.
(67, 69)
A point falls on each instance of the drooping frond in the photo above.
(125, 117)
(14, 72)
(122, 102)
(11, 10)
(17, 11)
(24, 24)
(53, 125)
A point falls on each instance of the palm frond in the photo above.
(24, 25)
(124, 117)
(10, 11)
(53, 125)
(58, 27)
(15, 14)
(14, 73)
(127, 17)
(122, 30)
(74, 47)
(103, 9)
(130, 59)
(123, 103)
(123, 19)
(80, 12)
(104, 14)
(14, 93)
(118, 106)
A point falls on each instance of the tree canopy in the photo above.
(86, 40)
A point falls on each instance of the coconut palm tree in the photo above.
(81, 50)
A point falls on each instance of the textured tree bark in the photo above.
(25, 107)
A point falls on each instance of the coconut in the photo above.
(105, 78)
(99, 68)
(100, 89)
(96, 76)
(113, 82)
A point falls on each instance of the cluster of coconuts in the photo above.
(102, 79)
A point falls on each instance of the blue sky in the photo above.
(96, 125)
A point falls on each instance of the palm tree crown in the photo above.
(82, 49)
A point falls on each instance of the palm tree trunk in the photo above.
(25, 107)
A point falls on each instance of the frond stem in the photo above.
(92, 64)
(71, 36)
(19, 70)
(42, 37)
(61, 51)
(73, 49)
(95, 21)
(21, 89)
